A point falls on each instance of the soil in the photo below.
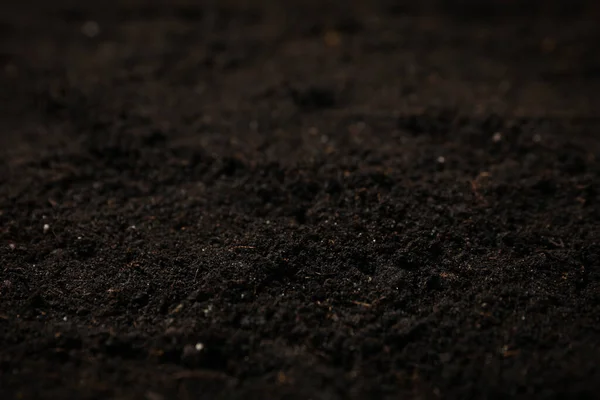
(299, 200)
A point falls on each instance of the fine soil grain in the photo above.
(299, 199)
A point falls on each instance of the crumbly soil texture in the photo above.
(299, 200)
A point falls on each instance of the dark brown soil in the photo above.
(299, 199)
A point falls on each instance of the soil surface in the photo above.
(299, 199)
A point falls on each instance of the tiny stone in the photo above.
(441, 159)
(199, 346)
(497, 137)
(65, 319)
(12, 246)
(178, 308)
(46, 228)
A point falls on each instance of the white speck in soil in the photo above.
(46, 228)
(441, 159)
(497, 137)
(199, 346)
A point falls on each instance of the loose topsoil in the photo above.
(299, 199)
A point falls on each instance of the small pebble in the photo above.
(441, 159)
(178, 308)
(65, 319)
(12, 246)
(46, 228)
(497, 137)
(199, 346)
